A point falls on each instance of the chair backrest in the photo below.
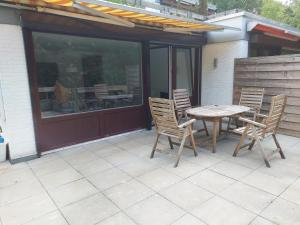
(163, 114)
(101, 90)
(275, 114)
(252, 97)
(182, 101)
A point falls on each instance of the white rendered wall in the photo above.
(227, 35)
(217, 83)
(16, 113)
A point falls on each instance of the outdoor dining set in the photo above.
(175, 118)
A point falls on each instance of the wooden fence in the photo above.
(278, 75)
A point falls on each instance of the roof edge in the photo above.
(254, 17)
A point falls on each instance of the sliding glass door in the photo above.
(159, 71)
(184, 71)
(173, 67)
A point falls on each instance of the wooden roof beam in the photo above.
(186, 30)
(102, 14)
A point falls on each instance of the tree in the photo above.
(289, 14)
(292, 14)
(273, 10)
(248, 5)
(203, 7)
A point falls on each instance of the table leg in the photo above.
(214, 134)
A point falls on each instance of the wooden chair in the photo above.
(101, 90)
(166, 124)
(259, 131)
(182, 103)
(252, 98)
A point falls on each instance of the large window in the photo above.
(80, 74)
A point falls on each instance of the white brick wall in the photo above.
(217, 83)
(16, 114)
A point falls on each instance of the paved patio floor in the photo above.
(113, 182)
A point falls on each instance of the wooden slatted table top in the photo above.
(213, 111)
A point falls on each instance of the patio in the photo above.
(113, 181)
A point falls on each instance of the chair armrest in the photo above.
(252, 122)
(261, 115)
(252, 111)
(187, 123)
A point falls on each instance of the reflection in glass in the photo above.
(159, 71)
(80, 74)
(185, 68)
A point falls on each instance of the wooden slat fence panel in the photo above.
(278, 75)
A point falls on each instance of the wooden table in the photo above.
(214, 114)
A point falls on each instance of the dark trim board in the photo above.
(264, 40)
(31, 70)
(64, 25)
(146, 81)
(23, 159)
(198, 76)
(92, 126)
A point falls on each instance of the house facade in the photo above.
(71, 75)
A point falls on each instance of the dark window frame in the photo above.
(95, 110)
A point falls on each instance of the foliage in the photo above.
(273, 9)
(289, 14)
(249, 5)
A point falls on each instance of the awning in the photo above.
(274, 31)
(128, 16)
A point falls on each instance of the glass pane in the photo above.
(184, 68)
(159, 72)
(80, 74)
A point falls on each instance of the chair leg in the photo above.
(228, 126)
(278, 146)
(237, 122)
(170, 143)
(220, 126)
(241, 142)
(251, 145)
(261, 148)
(193, 142)
(205, 128)
(155, 145)
(180, 150)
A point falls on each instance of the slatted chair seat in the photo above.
(250, 132)
(257, 132)
(165, 121)
(182, 103)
